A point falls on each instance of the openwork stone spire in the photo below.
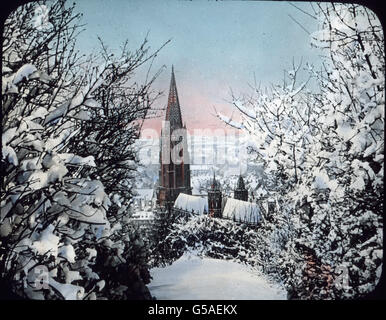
(173, 111)
(174, 175)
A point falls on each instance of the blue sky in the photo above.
(214, 45)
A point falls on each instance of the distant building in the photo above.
(144, 199)
(242, 211)
(173, 178)
(241, 193)
(215, 205)
(200, 169)
(191, 204)
(142, 218)
(215, 199)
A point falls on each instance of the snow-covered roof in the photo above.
(146, 194)
(191, 203)
(243, 211)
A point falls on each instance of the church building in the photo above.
(174, 190)
(217, 206)
(174, 172)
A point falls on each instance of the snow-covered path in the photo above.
(194, 278)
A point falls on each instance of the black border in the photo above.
(247, 309)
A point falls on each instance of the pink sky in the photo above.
(198, 105)
(214, 46)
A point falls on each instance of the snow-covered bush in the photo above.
(58, 235)
(48, 209)
(163, 251)
(344, 173)
(325, 150)
(108, 134)
(113, 121)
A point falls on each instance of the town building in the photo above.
(217, 206)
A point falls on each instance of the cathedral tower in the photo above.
(215, 199)
(174, 173)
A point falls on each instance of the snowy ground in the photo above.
(193, 278)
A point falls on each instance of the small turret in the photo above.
(241, 193)
(215, 198)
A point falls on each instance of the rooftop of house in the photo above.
(189, 203)
(242, 211)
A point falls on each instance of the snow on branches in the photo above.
(326, 148)
(55, 226)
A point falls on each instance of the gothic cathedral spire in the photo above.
(174, 178)
(173, 110)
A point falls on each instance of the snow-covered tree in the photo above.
(162, 250)
(344, 183)
(47, 209)
(108, 133)
(55, 229)
(279, 122)
(114, 119)
(326, 151)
